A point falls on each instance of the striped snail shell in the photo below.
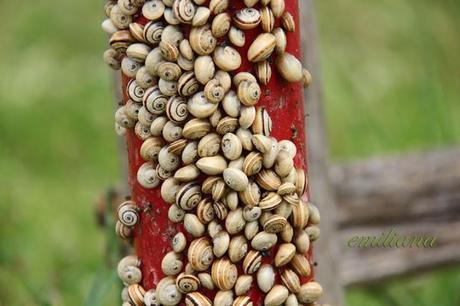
(270, 201)
(238, 248)
(224, 274)
(147, 176)
(202, 40)
(252, 262)
(263, 241)
(205, 211)
(157, 126)
(153, 10)
(300, 265)
(215, 117)
(243, 300)
(309, 292)
(249, 93)
(262, 123)
(214, 91)
(176, 109)
(264, 72)
(134, 91)
(285, 253)
(276, 296)
(277, 7)
(291, 198)
(286, 188)
(209, 145)
(220, 210)
(200, 107)
(227, 125)
(243, 284)
(154, 101)
(169, 51)
(197, 299)
(265, 278)
(301, 181)
(184, 10)
(243, 76)
(138, 52)
(208, 183)
(150, 298)
(251, 195)
(177, 146)
(221, 242)
(200, 254)
(136, 295)
(162, 173)
(224, 298)
(187, 84)
(247, 18)
(218, 6)
(167, 292)
(189, 196)
(169, 71)
(120, 19)
(218, 190)
(123, 231)
(196, 128)
(267, 19)
(287, 20)
(275, 224)
(151, 148)
(152, 32)
(187, 283)
(291, 280)
(300, 215)
(120, 41)
(261, 48)
(127, 213)
(268, 180)
(171, 263)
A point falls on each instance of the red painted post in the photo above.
(284, 102)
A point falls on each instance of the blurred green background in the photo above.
(391, 72)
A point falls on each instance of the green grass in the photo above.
(391, 74)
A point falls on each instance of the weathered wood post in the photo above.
(279, 99)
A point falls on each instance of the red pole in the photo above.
(284, 103)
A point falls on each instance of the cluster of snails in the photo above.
(207, 143)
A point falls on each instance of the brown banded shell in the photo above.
(263, 241)
(263, 72)
(235, 179)
(252, 262)
(261, 48)
(200, 254)
(137, 31)
(249, 93)
(277, 7)
(221, 25)
(202, 41)
(163, 174)
(221, 242)
(292, 198)
(169, 71)
(220, 210)
(169, 51)
(187, 283)
(227, 58)
(262, 123)
(253, 164)
(300, 264)
(291, 280)
(171, 263)
(237, 37)
(309, 292)
(267, 19)
(275, 224)
(153, 10)
(286, 188)
(224, 274)
(177, 146)
(123, 231)
(196, 128)
(235, 222)
(242, 301)
(127, 213)
(120, 40)
(152, 32)
(301, 181)
(187, 84)
(265, 278)
(147, 176)
(287, 20)
(184, 63)
(205, 211)
(184, 10)
(176, 109)
(251, 195)
(247, 18)
(276, 296)
(136, 294)
(189, 196)
(227, 125)
(134, 91)
(300, 215)
(238, 248)
(243, 76)
(243, 284)
(167, 292)
(268, 180)
(214, 91)
(208, 183)
(289, 67)
(284, 254)
(197, 299)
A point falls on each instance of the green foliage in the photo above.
(391, 72)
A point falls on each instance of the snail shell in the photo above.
(215, 117)
(242, 301)
(132, 109)
(111, 59)
(187, 283)
(280, 40)
(108, 7)
(138, 52)
(284, 254)
(243, 284)
(172, 34)
(153, 59)
(291, 300)
(300, 265)
(262, 123)
(243, 76)
(221, 242)
(190, 153)
(237, 249)
(261, 48)
(237, 37)
(231, 200)
(231, 104)
(300, 182)
(251, 229)
(252, 262)
(221, 25)
(127, 213)
(169, 189)
(245, 137)
(287, 20)
(167, 292)
(122, 119)
(266, 278)
(137, 31)
(153, 10)
(247, 18)
(315, 217)
(147, 176)
(268, 180)
(120, 40)
(188, 196)
(200, 254)
(220, 210)
(201, 17)
(277, 7)
(184, 10)
(123, 231)
(169, 71)
(167, 160)
(224, 298)
(300, 215)
(186, 50)
(284, 209)
(145, 117)
(197, 299)
(128, 270)
(218, 6)
(235, 179)
(302, 241)
(150, 298)
(205, 211)
(251, 195)
(209, 145)
(218, 191)
(263, 241)
(227, 58)
(171, 264)
(269, 158)
(177, 146)
(214, 228)
(284, 164)
(214, 91)
(176, 214)
(163, 174)
(168, 88)
(202, 41)
(249, 93)
(291, 281)
(252, 164)
(235, 222)
(152, 32)
(151, 148)
(224, 79)
(208, 183)
(136, 294)
(306, 77)
(251, 213)
(142, 132)
(289, 147)
(144, 79)
(263, 72)
(193, 225)
(134, 91)
(179, 242)
(227, 125)
(206, 280)
(292, 198)
(170, 16)
(286, 188)
(204, 69)
(289, 67)
(262, 143)
(275, 224)
(171, 132)
(200, 107)
(120, 19)
(313, 232)
(310, 292)
(196, 128)
(224, 274)
(250, 3)
(276, 296)
(267, 19)
(187, 173)
(213, 165)
(169, 50)
(176, 109)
